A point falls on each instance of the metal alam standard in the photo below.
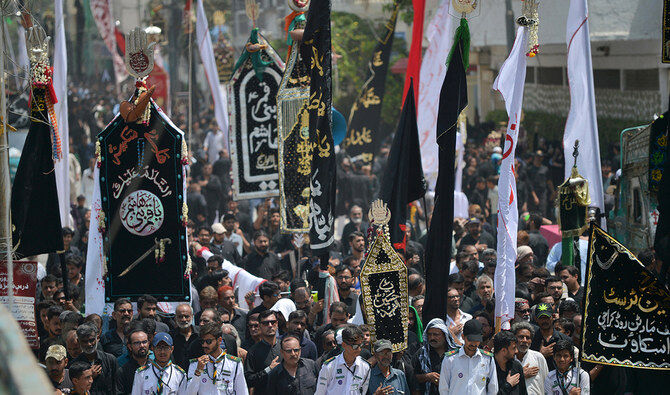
(253, 117)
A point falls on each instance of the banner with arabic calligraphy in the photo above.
(384, 293)
(253, 117)
(364, 134)
(142, 193)
(23, 307)
(626, 309)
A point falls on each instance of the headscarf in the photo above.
(419, 324)
(424, 356)
(285, 307)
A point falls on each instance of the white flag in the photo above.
(209, 63)
(62, 165)
(440, 35)
(510, 84)
(582, 124)
(22, 58)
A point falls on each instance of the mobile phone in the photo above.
(315, 296)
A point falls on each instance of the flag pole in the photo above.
(5, 183)
(190, 75)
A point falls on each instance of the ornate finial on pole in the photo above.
(531, 20)
(575, 153)
(252, 10)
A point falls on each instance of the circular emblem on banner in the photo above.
(29, 268)
(460, 375)
(141, 213)
(139, 62)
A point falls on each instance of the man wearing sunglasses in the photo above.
(264, 355)
(295, 375)
(215, 372)
(346, 373)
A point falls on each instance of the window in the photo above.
(641, 80)
(607, 79)
(550, 75)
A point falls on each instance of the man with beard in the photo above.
(220, 246)
(428, 359)
(346, 372)
(555, 289)
(469, 370)
(484, 295)
(521, 310)
(184, 335)
(56, 361)
(545, 339)
(385, 379)
(160, 376)
(103, 365)
(229, 344)
(296, 375)
(215, 372)
(355, 224)
(261, 262)
(345, 281)
(296, 326)
(112, 341)
(456, 318)
(534, 365)
(508, 370)
(146, 308)
(54, 329)
(238, 317)
(264, 355)
(476, 236)
(138, 348)
(357, 247)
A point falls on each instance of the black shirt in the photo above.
(126, 376)
(112, 343)
(513, 366)
(538, 341)
(105, 383)
(350, 301)
(264, 266)
(227, 250)
(258, 358)
(280, 382)
(435, 366)
(181, 346)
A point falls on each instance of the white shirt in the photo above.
(465, 317)
(552, 384)
(336, 378)
(464, 375)
(223, 375)
(214, 142)
(535, 384)
(146, 379)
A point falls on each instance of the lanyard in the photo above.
(159, 377)
(562, 379)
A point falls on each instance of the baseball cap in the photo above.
(473, 220)
(56, 352)
(218, 228)
(162, 337)
(472, 330)
(543, 309)
(383, 344)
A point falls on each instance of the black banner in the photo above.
(36, 226)
(665, 42)
(364, 135)
(384, 293)
(253, 118)
(626, 309)
(317, 47)
(142, 192)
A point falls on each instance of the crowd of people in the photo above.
(292, 342)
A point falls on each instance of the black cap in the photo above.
(472, 330)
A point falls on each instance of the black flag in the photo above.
(317, 52)
(453, 99)
(35, 214)
(626, 308)
(364, 134)
(403, 180)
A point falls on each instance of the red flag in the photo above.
(414, 61)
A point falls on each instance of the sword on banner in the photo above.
(156, 245)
